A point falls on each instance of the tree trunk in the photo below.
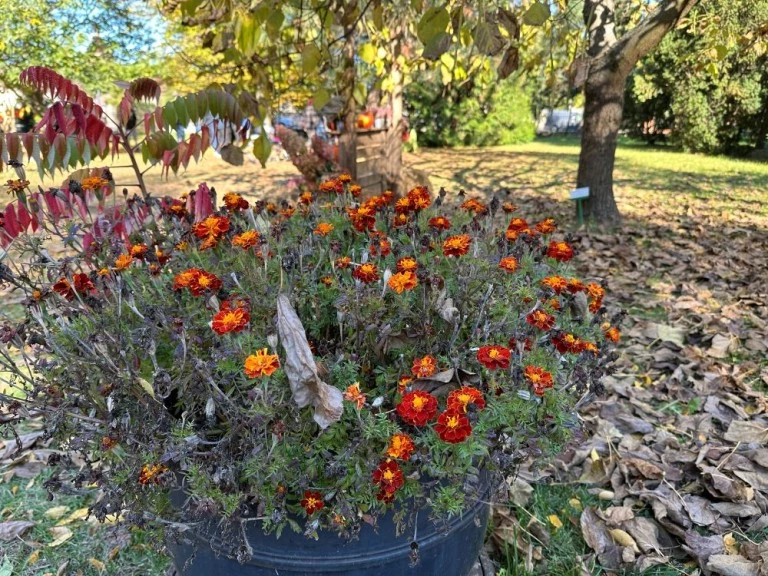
(604, 103)
(394, 142)
(348, 138)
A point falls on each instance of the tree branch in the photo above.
(644, 37)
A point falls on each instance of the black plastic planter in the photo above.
(448, 550)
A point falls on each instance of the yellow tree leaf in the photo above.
(555, 521)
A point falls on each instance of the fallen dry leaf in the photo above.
(14, 529)
(56, 512)
(300, 368)
(726, 565)
(554, 519)
(60, 535)
(747, 432)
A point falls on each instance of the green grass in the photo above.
(93, 550)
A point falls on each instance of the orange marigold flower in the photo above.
(306, 198)
(460, 399)
(138, 251)
(420, 198)
(595, 291)
(612, 334)
(122, 262)
(403, 205)
(362, 218)
(312, 502)
(546, 226)
(93, 183)
(453, 427)
(400, 220)
(287, 212)
(518, 224)
(556, 283)
(388, 197)
(494, 357)
(332, 186)
(553, 303)
(541, 320)
(590, 347)
(344, 178)
(508, 264)
(508, 207)
(104, 272)
(354, 395)
(246, 240)
(204, 282)
(235, 202)
(389, 479)
(402, 383)
(342, 262)
(185, 279)
(213, 227)
(323, 229)
(417, 408)
(271, 208)
(400, 447)
(567, 343)
(560, 251)
(64, 289)
(176, 207)
(457, 245)
(575, 285)
(407, 264)
(16, 186)
(355, 190)
(261, 364)
(402, 281)
(539, 378)
(440, 223)
(474, 205)
(366, 273)
(226, 321)
(182, 246)
(151, 473)
(326, 281)
(107, 443)
(424, 367)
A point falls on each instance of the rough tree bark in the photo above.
(394, 142)
(611, 61)
(348, 139)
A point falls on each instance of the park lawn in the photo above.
(664, 195)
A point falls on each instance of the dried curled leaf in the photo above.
(306, 385)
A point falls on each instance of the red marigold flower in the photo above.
(388, 197)
(323, 229)
(151, 473)
(459, 399)
(590, 347)
(355, 190)
(271, 208)
(176, 208)
(312, 502)
(388, 477)
(407, 264)
(541, 320)
(204, 282)
(354, 395)
(556, 283)
(261, 364)
(122, 262)
(494, 357)
(553, 303)
(400, 447)
(344, 178)
(539, 378)
(403, 205)
(93, 182)
(560, 251)
(424, 367)
(366, 273)
(64, 288)
(420, 198)
(417, 408)
(138, 251)
(402, 281)
(474, 205)
(212, 228)
(332, 186)
(402, 383)
(82, 283)
(440, 223)
(246, 240)
(546, 226)
(453, 427)
(185, 279)
(612, 334)
(457, 245)
(575, 285)
(362, 218)
(226, 321)
(400, 220)
(518, 224)
(508, 207)
(107, 443)
(595, 291)
(567, 343)
(235, 202)
(342, 262)
(305, 198)
(509, 264)
(383, 247)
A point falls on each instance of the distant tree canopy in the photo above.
(706, 89)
